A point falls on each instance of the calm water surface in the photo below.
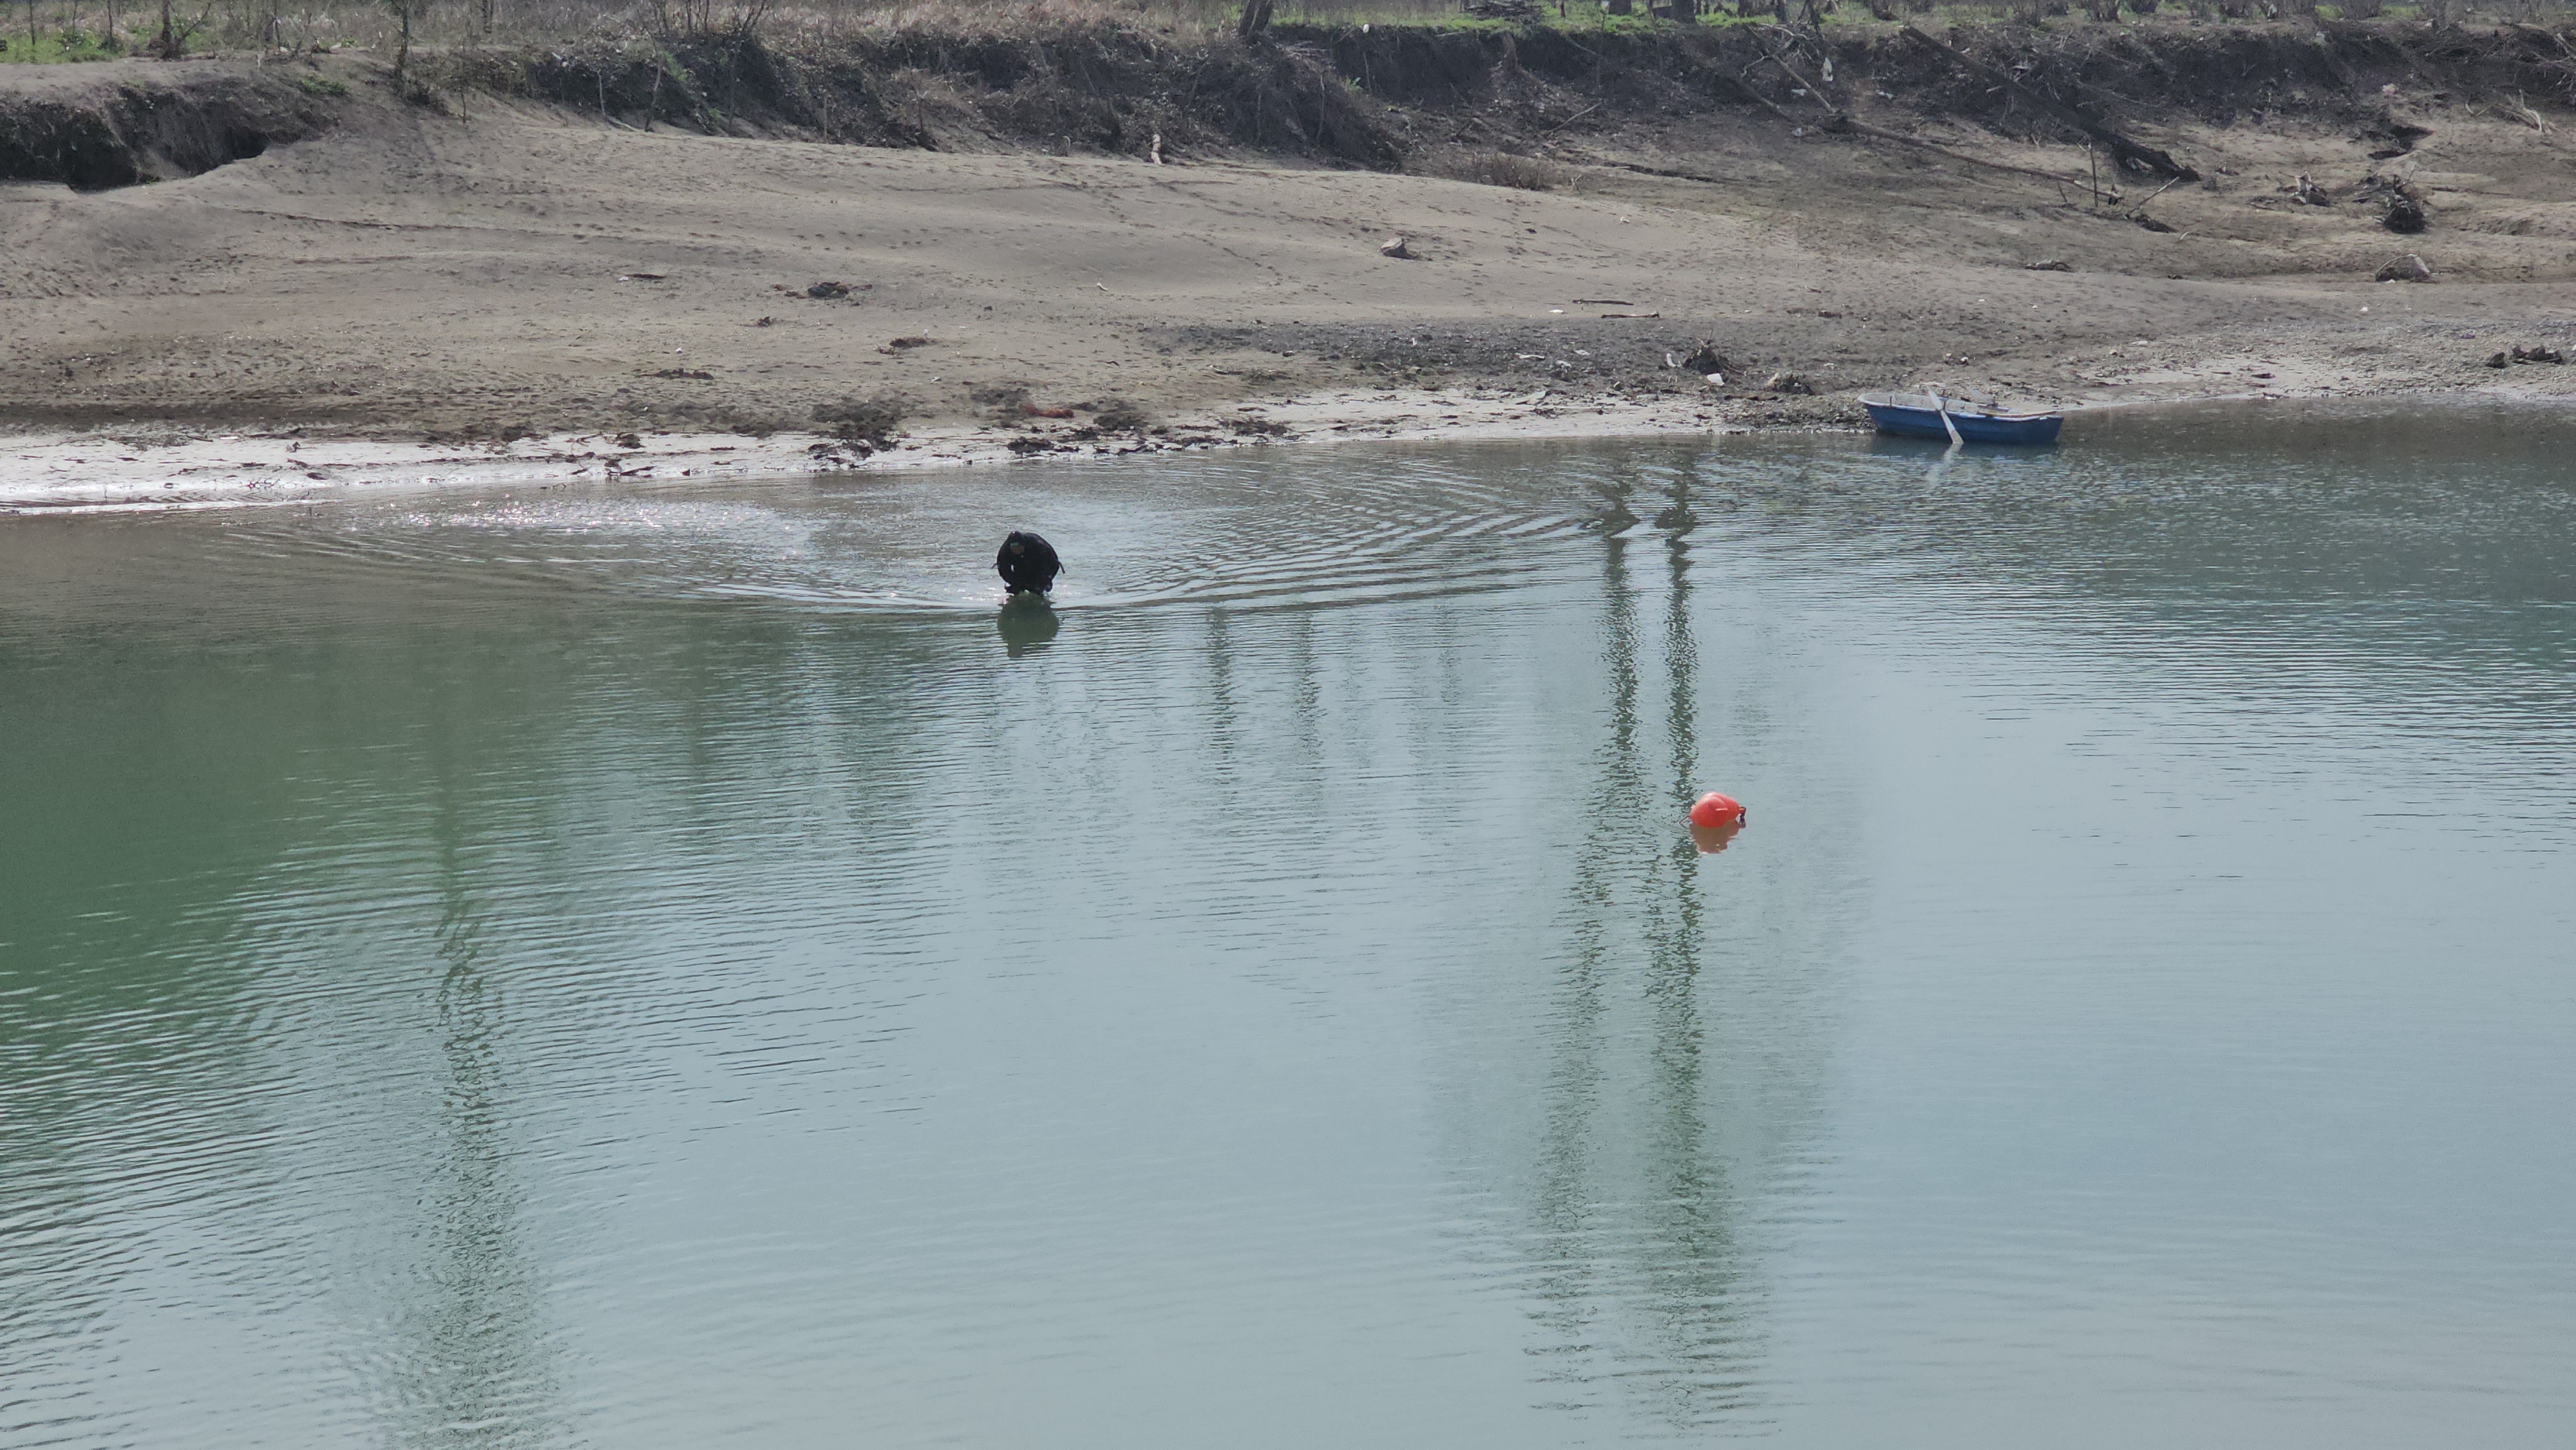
(670, 967)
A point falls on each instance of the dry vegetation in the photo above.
(72, 30)
(1490, 168)
(77, 30)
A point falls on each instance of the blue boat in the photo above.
(1927, 415)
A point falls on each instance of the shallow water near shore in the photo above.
(676, 966)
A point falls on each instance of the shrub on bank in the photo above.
(70, 43)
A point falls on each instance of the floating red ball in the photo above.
(1714, 809)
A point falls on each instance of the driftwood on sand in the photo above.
(2132, 154)
(1839, 122)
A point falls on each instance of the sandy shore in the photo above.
(509, 292)
(55, 470)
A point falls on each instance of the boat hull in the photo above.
(1911, 422)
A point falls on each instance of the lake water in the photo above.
(670, 966)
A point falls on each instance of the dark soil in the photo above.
(92, 138)
(1636, 357)
(1336, 94)
(1370, 97)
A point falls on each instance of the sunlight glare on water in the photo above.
(674, 966)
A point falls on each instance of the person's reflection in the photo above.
(1026, 626)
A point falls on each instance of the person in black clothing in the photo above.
(1027, 563)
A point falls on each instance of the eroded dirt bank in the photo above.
(501, 271)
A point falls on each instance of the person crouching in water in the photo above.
(1027, 564)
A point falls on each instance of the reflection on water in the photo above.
(1026, 628)
(474, 1352)
(1653, 1240)
(680, 967)
(1709, 840)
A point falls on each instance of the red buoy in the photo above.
(1713, 810)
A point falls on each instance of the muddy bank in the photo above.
(138, 124)
(1373, 96)
(1114, 90)
(502, 257)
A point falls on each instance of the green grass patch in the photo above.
(58, 46)
(1582, 17)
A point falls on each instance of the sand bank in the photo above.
(505, 289)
